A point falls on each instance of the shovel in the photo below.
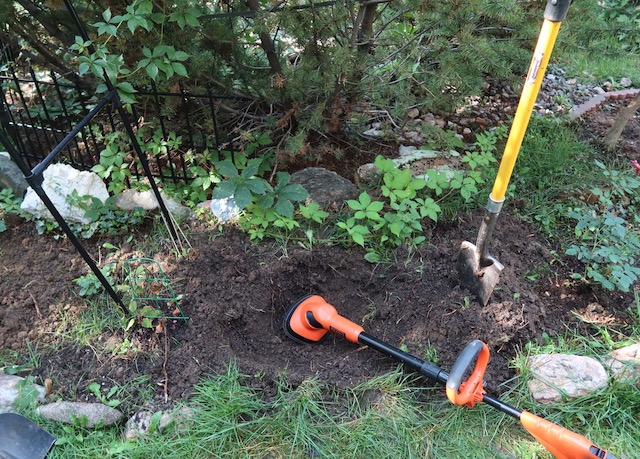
(22, 439)
(479, 272)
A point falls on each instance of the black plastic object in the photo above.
(556, 10)
(22, 439)
(286, 324)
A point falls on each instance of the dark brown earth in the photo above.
(236, 294)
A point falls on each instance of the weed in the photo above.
(607, 232)
(106, 399)
(90, 285)
(27, 393)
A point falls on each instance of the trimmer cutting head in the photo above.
(299, 323)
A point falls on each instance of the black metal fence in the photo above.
(38, 109)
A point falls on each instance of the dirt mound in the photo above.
(237, 293)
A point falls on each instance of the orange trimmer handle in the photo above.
(471, 391)
(561, 442)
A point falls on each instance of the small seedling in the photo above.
(107, 399)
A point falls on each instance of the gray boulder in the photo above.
(324, 186)
(11, 176)
(557, 377)
(13, 387)
(88, 414)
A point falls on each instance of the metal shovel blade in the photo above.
(478, 274)
(22, 439)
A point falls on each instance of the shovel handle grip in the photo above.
(468, 392)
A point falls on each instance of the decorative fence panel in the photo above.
(38, 109)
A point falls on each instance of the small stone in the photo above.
(572, 81)
(89, 414)
(406, 149)
(11, 390)
(145, 423)
(413, 113)
(624, 364)
(224, 209)
(11, 176)
(373, 133)
(560, 376)
(626, 82)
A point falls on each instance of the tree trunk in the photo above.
(363, 27)
(625, 115)
(266, 43)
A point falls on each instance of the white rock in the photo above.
(626, 82)
(10, 391)
(373, 132)
(224, 209)
(406, 149)
(88, 414)
(624, 364)
(145, 422)
(146, 200)
(60, 180)
(560, 376)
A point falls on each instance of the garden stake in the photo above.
(479, 272)
(312, 317)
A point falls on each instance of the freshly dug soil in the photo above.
(236, 294)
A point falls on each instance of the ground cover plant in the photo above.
(568, 237)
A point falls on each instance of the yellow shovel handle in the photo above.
(537, 70)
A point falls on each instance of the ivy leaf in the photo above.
(258, 185)
(242, 197)
(284, 207)
(152, 71)
(252, 168)
(294, 192)
(226, 168)
(265, 201)
(179, 69)
(224, 190)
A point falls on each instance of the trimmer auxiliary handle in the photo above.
(471, 391)
(311, 317)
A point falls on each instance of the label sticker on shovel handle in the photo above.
(536, 62)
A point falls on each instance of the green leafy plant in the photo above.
(282, 196)
(259, 222)
(242, 185)
(113, 165)
(376, 225)
(90, 285)
(313, 212)
(608, 232)
(105, 399)
(27, 393)
(106, 217)
(607, 247)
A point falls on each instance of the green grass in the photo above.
(553, 165)
(608, 66)
(392, 416)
